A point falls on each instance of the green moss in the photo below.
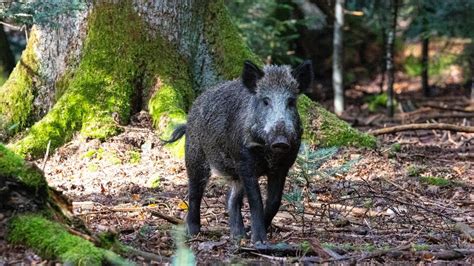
(17, 94)
(230, 51)
(105, 81)
(52, 241)
(154, 182)
(92, 167)
(134, 157)
(89, 154)
(12, 165)
(172, 95)
(111, 157)
(325, 129)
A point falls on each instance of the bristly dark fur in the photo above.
(244, 129)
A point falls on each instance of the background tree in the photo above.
(337, 76)
(436, 18)
(391, 35)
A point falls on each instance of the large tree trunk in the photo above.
(117, 58)
(337, 71)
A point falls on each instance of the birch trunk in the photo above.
(390, 56)
(337, 72)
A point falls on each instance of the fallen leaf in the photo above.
(183, 205)
(136, 197)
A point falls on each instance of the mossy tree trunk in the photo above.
(120, 57)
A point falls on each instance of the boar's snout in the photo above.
(280, 144)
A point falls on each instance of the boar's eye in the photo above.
(266, 101)
(291, 102)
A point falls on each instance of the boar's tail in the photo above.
(178, 132)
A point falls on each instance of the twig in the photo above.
(442, 116)
(170, 219)
(146, 255)
(280, 259)
(453, 254)
(356, 211)
(439, 126)
(375, 254)
(46, 155)
(14, 27)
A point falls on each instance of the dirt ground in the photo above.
(410, 200)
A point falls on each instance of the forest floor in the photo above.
(409, 200)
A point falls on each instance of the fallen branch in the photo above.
(146, 255)
(435, 106)
(409, 117)
(409, 127)
(170, 219)
(280, 250)
(273, 258)
(356, 211)
(454, 254)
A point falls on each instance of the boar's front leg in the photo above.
(275, 185)
(234, 205)
(248, 176)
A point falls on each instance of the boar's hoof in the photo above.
(238, 233)
(193, 229)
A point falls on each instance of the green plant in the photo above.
(154, 182)
(93, 167)
(435, 181)
(376, 101)
(421, 247)
(436, 66)
(134, 157)
(414, 170)
(89, 154)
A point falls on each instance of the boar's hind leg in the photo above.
(234, 206)
(275, 185)
(198, 174)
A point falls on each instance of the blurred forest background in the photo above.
(431, 35)
(433, 47)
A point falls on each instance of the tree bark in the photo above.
(7, 60)
(390, 57)
(337, 72)
(424, 66)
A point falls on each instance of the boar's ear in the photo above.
(304, 75)
(250, 75)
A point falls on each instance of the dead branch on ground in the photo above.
(423, 126)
